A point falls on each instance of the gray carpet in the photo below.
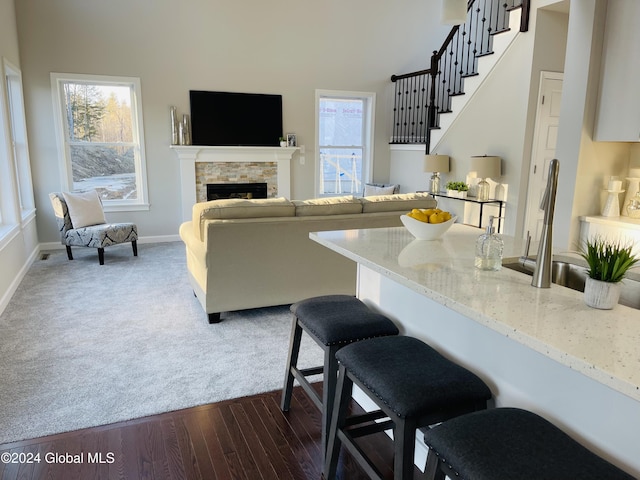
(84, 345)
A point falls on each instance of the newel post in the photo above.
(431, 123)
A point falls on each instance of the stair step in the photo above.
(467, 75)
(479, 55)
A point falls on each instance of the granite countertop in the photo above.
(602, 344)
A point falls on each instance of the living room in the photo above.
(285, 48)
(294, 53)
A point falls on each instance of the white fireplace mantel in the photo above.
(189, 155)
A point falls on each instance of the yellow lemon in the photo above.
(421, 216)
(446, 216)
(429, 211)
(435, 218)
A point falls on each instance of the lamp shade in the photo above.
(436, 163)
(486, 167)
(454, 12)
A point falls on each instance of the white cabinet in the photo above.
(617, 229)
(618, 117)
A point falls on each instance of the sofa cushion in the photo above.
(241, 208)
(328, 206)
(245, 208)
(397, 203)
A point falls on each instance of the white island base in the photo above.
(605, 421)
(498, 326)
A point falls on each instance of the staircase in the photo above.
(427, 102)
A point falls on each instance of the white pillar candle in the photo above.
(615, 185)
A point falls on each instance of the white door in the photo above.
(544, 149)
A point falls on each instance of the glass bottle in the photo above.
(489, 249)
(434, 183)
(633, 209)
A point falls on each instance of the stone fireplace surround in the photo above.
(188, 156)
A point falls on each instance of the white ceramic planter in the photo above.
(457, 193)
(602, 295)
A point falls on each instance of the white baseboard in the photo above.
(4, 301)
(155, 239)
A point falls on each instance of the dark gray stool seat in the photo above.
(332, 321)
(413, 386)
(510, 444)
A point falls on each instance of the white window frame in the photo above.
(9, 222)
(66, 180)
(19, 140)
(367, 134)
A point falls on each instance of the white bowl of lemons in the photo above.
(427, 224)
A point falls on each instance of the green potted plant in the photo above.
(457, 189)
(283, 142)
(608, 263)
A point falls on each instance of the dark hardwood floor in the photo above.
(245, 438)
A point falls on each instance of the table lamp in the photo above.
(454, 12)
(434, 164)
(485, 167)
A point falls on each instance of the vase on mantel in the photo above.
(186, 130)
(600, 294)
(175, 134)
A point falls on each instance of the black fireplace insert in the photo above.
(217, 191)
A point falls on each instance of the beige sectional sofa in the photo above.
(255, 253)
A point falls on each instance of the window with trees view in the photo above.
(100, 127)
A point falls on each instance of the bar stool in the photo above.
(510, 444)
(332, 321)
(412, 385)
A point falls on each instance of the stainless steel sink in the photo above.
(574, 276)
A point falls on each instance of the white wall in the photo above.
(283, 46)
(20, 246)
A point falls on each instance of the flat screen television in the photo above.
(235, 119)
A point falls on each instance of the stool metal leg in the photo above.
(292, 361)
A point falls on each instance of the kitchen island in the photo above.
(540, 349)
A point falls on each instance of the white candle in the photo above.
(615, 185)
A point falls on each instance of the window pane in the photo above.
(340, 170)
(341, 121)
(108, 169)
(98, 113)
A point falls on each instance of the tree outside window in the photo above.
(101, 131)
